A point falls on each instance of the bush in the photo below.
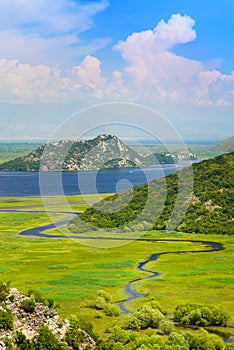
(9, 344)
(28, 305)
(112, 310)
(99, 303)
(145, 317)
(166, 326)
(200, 315)
(12, 298)
(133, 323)
(22, 342)
(177, 339)
(106, 296)
(205, 341)
(4, 290)
(156, 306)
(74, 338)
(6, 319)
(38, 297)
(46, 340)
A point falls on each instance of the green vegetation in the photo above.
(6, 319)
(71, 274)
(147, 328)
(75, 286)
(46, 340)
(4, 290)
(210, 208)
(224, 146)
(104, 302)
(200, 315)
(147, 316)
(12, 150)
(122, 339)
(28, 305)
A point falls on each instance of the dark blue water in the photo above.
(26, 184)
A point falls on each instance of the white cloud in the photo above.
(215, 88)
(47, 32)
(51, 17)
(153, 72)
(148, 53)
(25, 83)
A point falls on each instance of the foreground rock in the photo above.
(21, 314)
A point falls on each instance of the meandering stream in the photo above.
(130, 288)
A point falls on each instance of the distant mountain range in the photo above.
(210, 205)
(104, 151)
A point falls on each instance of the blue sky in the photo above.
(175, 56)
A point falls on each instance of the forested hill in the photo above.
(210, 208)
(104, 151)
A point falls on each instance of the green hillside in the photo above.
(224, 146)
(210, 208)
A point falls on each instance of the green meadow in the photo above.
(72, 271)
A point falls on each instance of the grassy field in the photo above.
(71, 272)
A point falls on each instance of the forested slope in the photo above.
(210, 208)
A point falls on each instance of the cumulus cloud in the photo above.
(25, 83)
(148, 53)
(155, 70)
(178, 30)
(47, 32)
(152, 72)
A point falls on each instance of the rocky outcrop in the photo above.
(28, 319)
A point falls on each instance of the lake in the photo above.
(26, 184)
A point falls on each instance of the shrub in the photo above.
(112, 310)
(30, 292)
(133, 323)
(156, 306)
(99, 303)
(46, 340)
(106, 296)
(9, 344)
(81, 323)
(166, 326)
(4, 290)
(12, 298)
(38, 297)
(50, 303)
(22, 342)
(200, 315)
(6, 319)
(145, 317)
(74, 338)
(205, 341)
(177, 339)
(28, 305)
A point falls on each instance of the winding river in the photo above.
(130, 288)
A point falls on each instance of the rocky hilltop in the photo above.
(104, 151)
(26, 324)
